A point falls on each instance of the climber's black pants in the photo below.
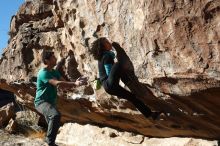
(111, 86)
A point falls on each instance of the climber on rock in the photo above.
(48, 79)
(110, 73)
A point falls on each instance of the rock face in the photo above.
(174, 46)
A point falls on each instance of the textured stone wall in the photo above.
(174, 46)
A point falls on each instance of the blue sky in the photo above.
(7, 9)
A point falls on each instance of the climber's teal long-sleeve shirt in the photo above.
(105, 64)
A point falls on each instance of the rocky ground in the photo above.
(18, 140)
(87, 135)
(73, 134)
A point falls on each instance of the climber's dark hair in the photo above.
(97, 48)
(46, 55)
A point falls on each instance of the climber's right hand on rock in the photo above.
(82, 81)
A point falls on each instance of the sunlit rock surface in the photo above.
(86, 135)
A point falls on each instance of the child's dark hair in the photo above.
(46, 55)
(97, 48)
